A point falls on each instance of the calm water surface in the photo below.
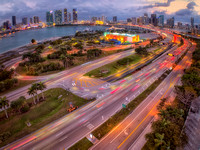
(24, 37)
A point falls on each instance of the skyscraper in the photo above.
(31, 20)
(104, 19)
(161, 20)
(49, 17)
(6, 24)
(58, 17)
(153, 19)
(69, 17)
(75, 16)
(25, 21)
(134, 20)
(170, 22)
(115, 19)
(65, 15)
(146, 19)
(192, 22)
(36, 19)
(14, 20)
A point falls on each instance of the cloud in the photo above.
(184, 12)
(191, 5)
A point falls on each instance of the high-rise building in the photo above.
(170, 22)
(161, 20)
(31, 20)
(75, 15)
(145, 19)
(58, 17)
(14, 20)
(36, 19)
(103, 18)
(153, 19)
(49, 17)
(65, 15)
(134, 20)
(25, 21)
(115, 19)
(192, 22)
(69, 17)
(6, 24)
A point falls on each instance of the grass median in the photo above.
(83, 144)
(114, 67)
(39, 115)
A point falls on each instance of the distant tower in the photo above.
(31, 20)
(161, 20)
(25, 21)
(36, 19)
(49, 18)
(14, 20)
(153, 19)
(115, 19)
(69, 17)
(75, 16)
(192, 22)
(58, 17)
(65, 15)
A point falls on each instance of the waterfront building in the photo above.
(153, 19)
(115, 19)
(161, 20)
(121, 38)
(6, 24)
(65, 15)
(104, 19)
(25, 21)
(14, 23)
(36, 19)
(58, 17)
(94, 19)
(31, 20)
(134, 20)
(69, 17)
(49, 18)
(75, 15)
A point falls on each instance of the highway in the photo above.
(66, 131)
(127, 132)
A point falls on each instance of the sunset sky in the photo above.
(182, 10)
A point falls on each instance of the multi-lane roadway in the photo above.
(64, 132)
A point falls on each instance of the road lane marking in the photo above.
(59, 134)
(134, 119)
(63, 138)
(90, 126)
(147, 114)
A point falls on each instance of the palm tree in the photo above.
(159, 139)
(4, 103)
(31, 91)
(41, 87)
(35, 88)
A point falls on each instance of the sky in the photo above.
(182, 10)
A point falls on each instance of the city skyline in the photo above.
(88, 8)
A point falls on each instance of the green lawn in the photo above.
(40, 115)
(21, 83)
(114, 67)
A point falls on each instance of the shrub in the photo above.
(4, 136)
(25, 109)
